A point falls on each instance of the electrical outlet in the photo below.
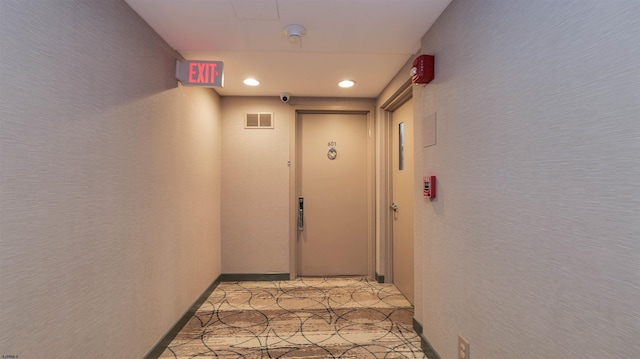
(463, 348)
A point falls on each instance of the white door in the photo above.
(332, 180)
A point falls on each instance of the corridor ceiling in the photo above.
(364, 40)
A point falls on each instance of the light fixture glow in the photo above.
(346, 83)
(251, 82)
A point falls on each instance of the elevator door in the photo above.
(332, 180)
(402, 194)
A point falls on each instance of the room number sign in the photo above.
(333, 153)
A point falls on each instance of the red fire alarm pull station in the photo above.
(430, 187)
(422, 70)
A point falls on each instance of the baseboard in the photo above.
(379, 278)
(417, 326)
(253, 277)
(162, 345)
(426, 347)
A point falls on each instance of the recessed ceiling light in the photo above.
(251, 82)
(346, 83)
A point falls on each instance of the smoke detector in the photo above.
(294, 33)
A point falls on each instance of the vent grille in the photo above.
(258, 120)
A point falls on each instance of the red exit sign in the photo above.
(200, 73)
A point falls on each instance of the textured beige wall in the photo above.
(532, 249)
(109, 183)
(255, 183)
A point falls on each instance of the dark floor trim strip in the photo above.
(253, 277)
(379, 278)
(424, 343)
(162, 345)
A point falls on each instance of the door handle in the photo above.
(394, 207)
(301, 213)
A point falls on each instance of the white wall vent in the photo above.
(258, 120)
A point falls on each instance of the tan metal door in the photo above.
(402, 194)
(334, 238)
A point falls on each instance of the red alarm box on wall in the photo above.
(429, 187)
(422, 70)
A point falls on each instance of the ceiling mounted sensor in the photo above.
(294, 33)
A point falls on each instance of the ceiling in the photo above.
(364, 40)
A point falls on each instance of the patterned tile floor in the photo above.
(305, 318)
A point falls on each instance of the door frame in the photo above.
(399, 98)
(330, 108)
